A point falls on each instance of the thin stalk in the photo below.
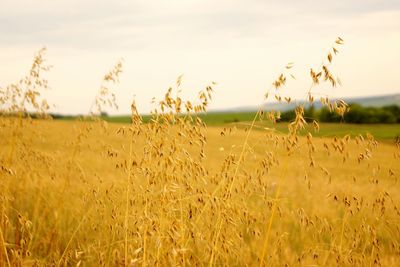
(215, 242)
(70, 240)
(5, 249)
(271, 219)
(127, 200)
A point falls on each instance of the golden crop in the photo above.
(174, 192)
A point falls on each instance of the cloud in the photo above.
(241, 44)
(135, 24)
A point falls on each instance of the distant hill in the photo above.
(369, 101)
(215, 117)
(376, 101)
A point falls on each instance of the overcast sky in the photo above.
(241, 45)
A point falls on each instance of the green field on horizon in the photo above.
(244, 119)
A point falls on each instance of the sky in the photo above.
(241, 45)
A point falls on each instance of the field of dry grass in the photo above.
(174, 192)
(64, 201)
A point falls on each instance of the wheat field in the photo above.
(175, 192)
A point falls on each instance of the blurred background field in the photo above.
(387, 132)
(65, 200)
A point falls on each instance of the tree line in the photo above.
(355, 114)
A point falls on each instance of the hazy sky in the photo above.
(242, 45)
